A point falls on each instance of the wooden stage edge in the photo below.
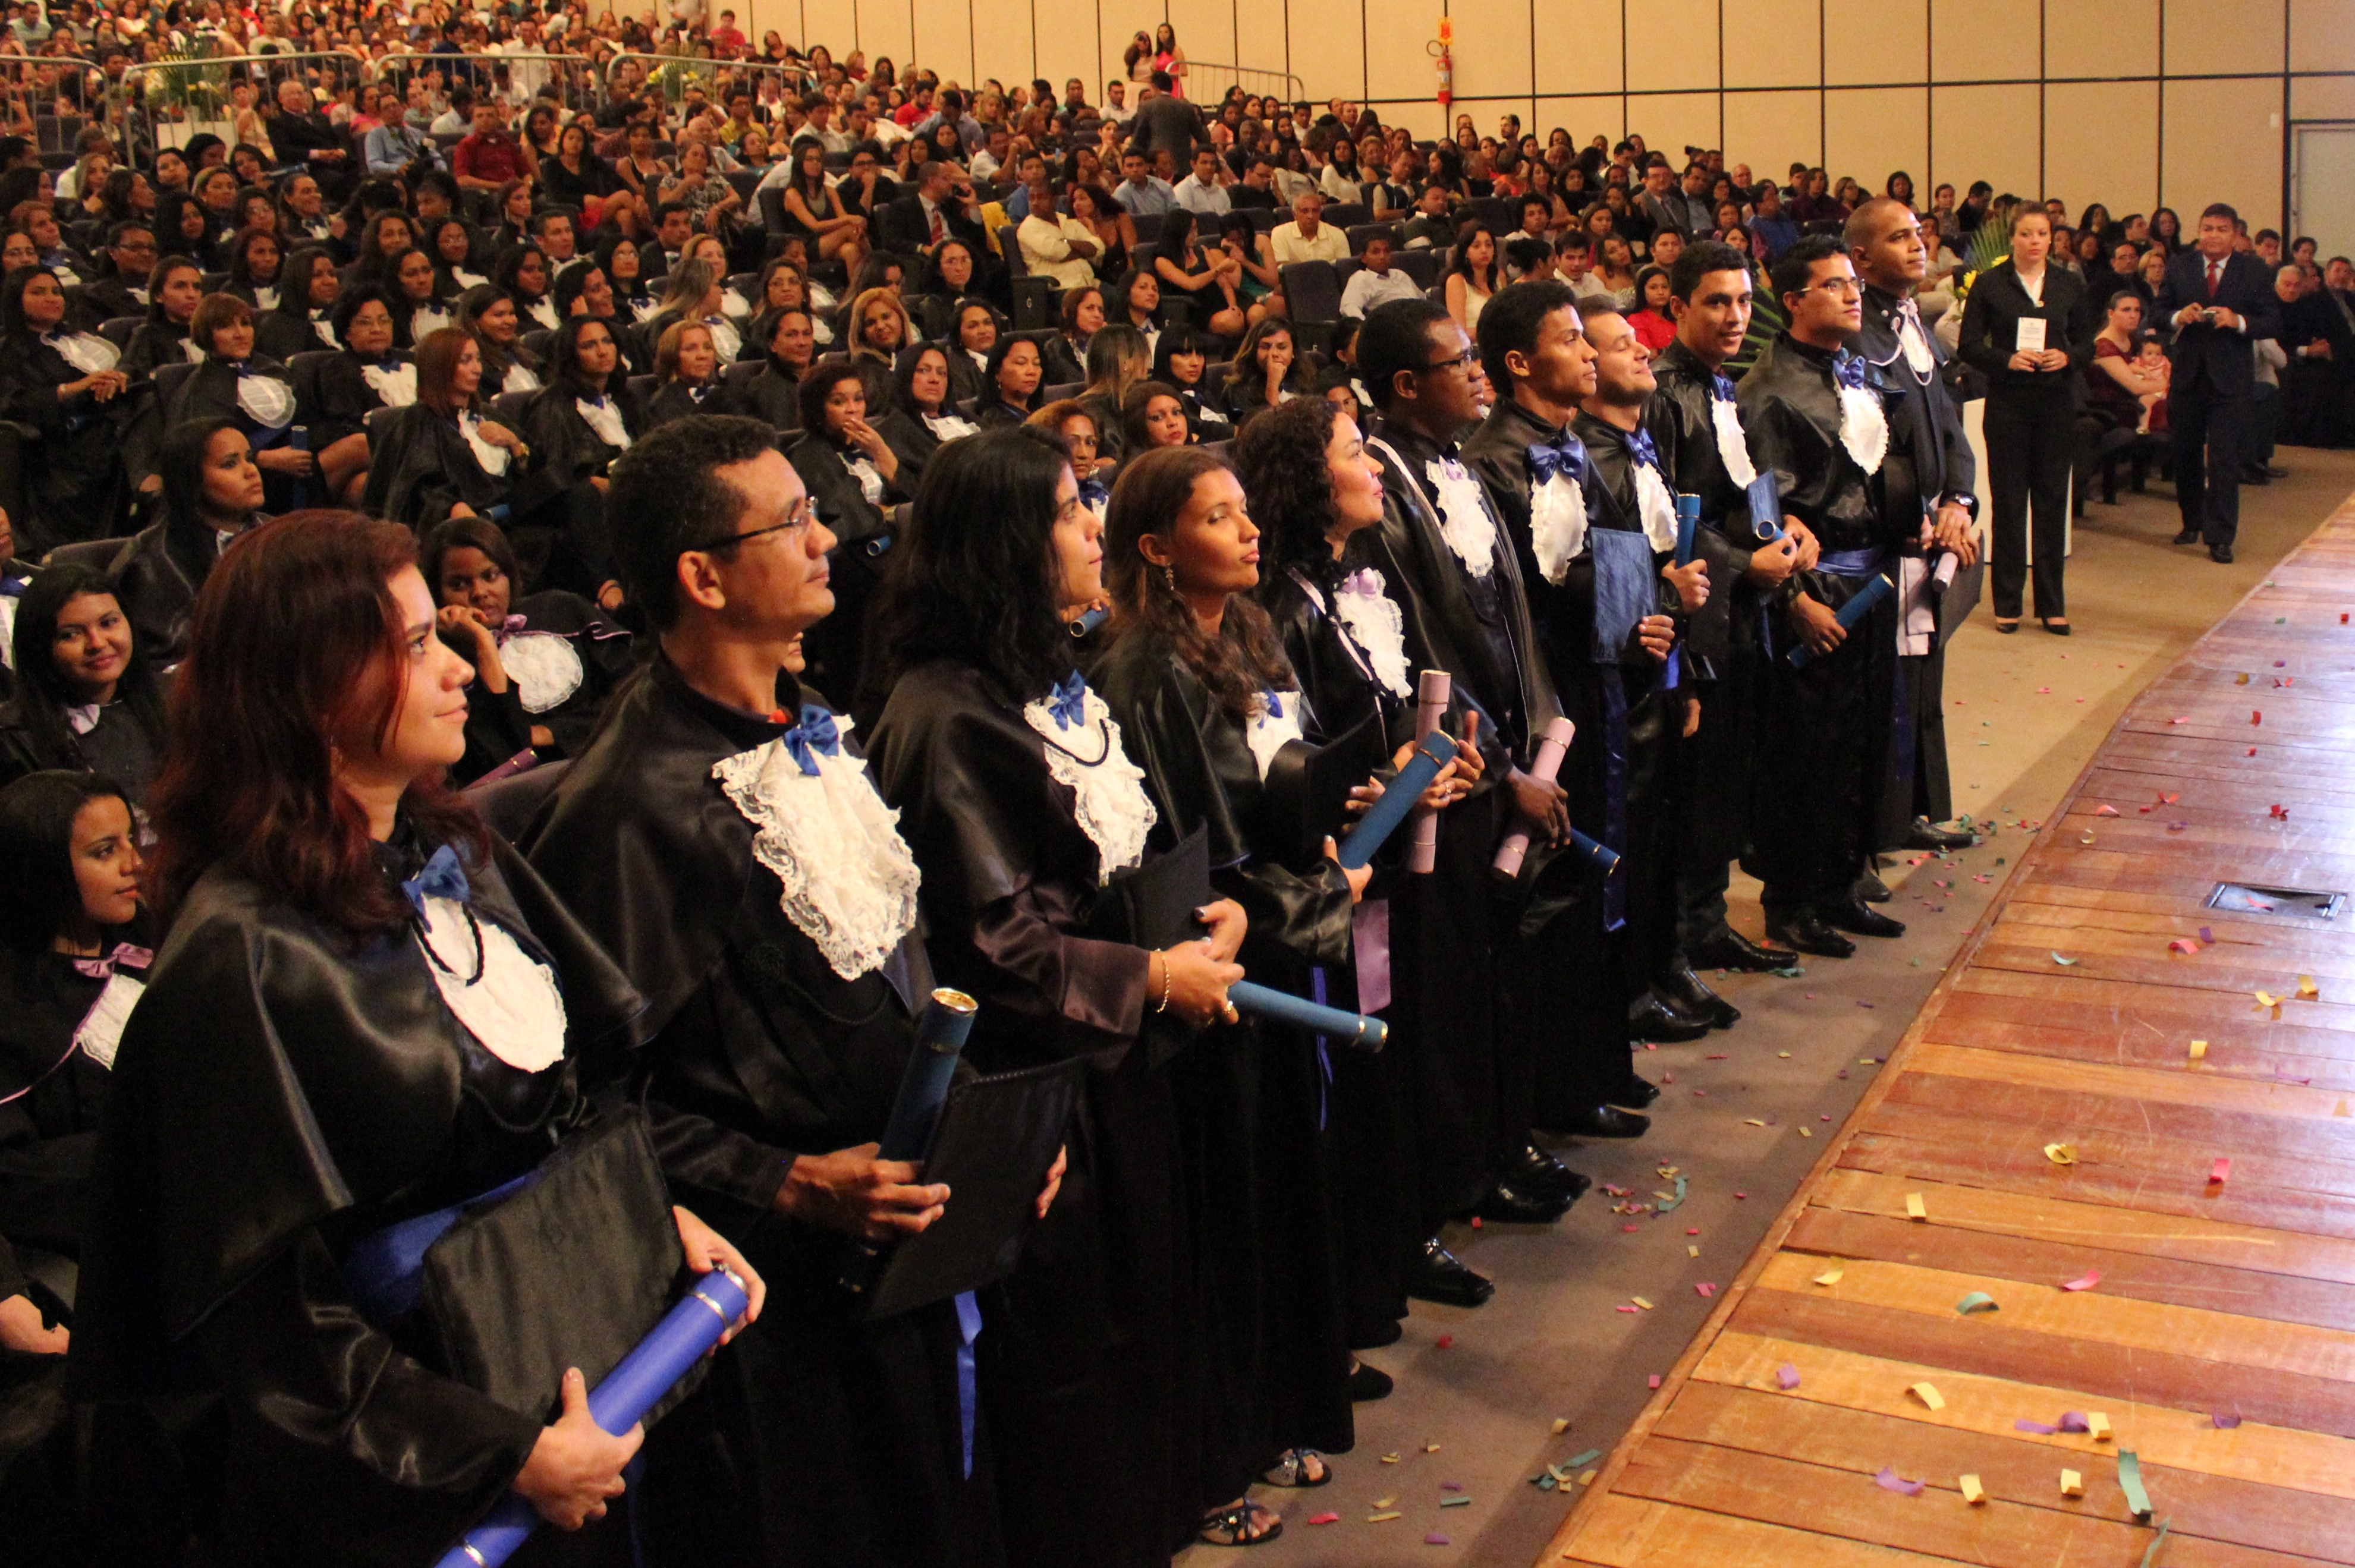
(2167, 1238)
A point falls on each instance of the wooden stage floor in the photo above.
(2071, 1021)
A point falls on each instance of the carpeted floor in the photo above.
(1565, 1337)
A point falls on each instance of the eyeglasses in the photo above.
(804, 514)
(1839, 288)
(1464, 361)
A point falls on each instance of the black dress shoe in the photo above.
(1506, 1205)
(1653, 1018)
(1804, 930)
(1730, 949)
(1438, 1275)
(2221, 553)
(1535, 1170)
(1369, 1384)
(1871, 888)
(1926, 834)
(1691, 993)
(1854, 916)
(2189, 536)
(1636, 1093)
(1607, 1121)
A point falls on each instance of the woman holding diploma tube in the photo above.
(1029, 822)
(1206, 700)
(369, 1024)
(1326, 581)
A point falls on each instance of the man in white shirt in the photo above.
(1141, 193)
(1376, 284)
(1201, 192)
(996, 149)
(1304, 238)
(1116, 110)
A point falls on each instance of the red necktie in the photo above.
(2215, 268)
(940, 232)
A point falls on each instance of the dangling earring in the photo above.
(1169, 576)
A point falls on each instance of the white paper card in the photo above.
(2031, 335)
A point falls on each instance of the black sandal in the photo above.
(1231, 1525)
(1291, 1469)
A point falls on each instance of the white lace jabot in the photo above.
(502, 995)
(850, 881)
(1109, 801)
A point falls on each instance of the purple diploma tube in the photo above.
(685, 1336)
(1430, 691)
(1547, 763)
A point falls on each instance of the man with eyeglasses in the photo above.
(1469, 1072)
(130, 251)
(1818, 417)
(722, 841)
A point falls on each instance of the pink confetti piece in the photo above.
(2219, 1172)
(1451, 1485)
(1628, 1309)
(1705, 1289)
(2169, 798)
(2185, 719)
(1890, 1480)
(1327, 1518)
(2226, 1422)
(1630, 1229)
(1434, 1539)
(1861, 1002)
(1741, 1194)
(2105, 810)
(2091, 1278)
(2179, 826)
(1669, 1076)
(2075, 1421)
(2044, 690)
(2042, 1428)
(2281, 663)
(1653, 1380)
(2278, 813)
(2253, 751)
(1444, 1340)
(2256, 716)
(1692, 1230)
(1787, 1375)
(1716, 1056)
(2183, 945)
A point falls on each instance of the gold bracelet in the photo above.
(1166, 978)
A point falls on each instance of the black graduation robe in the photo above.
(76, 484)
(156, 341)
(1935, 464)
(675, 400)
(1251, 1101)
(423, 467)
(823, 1439)
(837, 646)
(280, 1094)
(602, 647)
(283, 334)
(119, 746)
(158, 576)
(1473, 1083)
(344, 399)
(1824, 742)
(1083, 1350)
(775, 395)
(560, 530)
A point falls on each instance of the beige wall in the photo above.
(2129, 102)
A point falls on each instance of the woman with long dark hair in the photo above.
(302, 321)
(173, 289)
(71, 387)
(1209, 705)
(1082, 316)
(576, 425)
(322, 886)
(368, 375)
(923, 395)
(418, 307)
(522, 275)
(85, 695)
(492, 314)
(1181, 362)
(1030, 823)
(235, 382)
(1118, 359)
(212, 493)
(439, 457)
(633, 300)
(774, 391)
(1265, 373)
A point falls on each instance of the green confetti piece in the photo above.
(2130, 1483)
(2059, 960)
(1544, 1483)
(1793, 972)
(1579, 1461)
(1455, 1502)
(1977, 1301)
(1667, 1204)
(2150, 1555)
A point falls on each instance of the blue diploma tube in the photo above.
(923, 1086)
(1765, 508)
(1600, 855)
(1086, 622)
(1854, 610)
(1351, 1028)
(1432, 752)
(685, 1336)
(1687, 522)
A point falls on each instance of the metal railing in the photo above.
(574, 81)
(637, 75)
(48, 99)
(163, 103)
(1206, 83)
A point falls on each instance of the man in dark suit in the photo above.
(2318, 340)
(1165, 123)
(2219, 303)
(942, 207)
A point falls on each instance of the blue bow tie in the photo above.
(1721, 387)
(1274, 704)
(1092, 493)
(1563, 454)
(1640, 447)
(442, 878)
(816, 733)
(14, 587)
(1848, 370)
(1068, 700)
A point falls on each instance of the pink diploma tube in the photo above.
(1551, 751)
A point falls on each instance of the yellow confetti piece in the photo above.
(2200, 1050)
(2098, 1426)
(1928, 1395)
(1831, 1275)
(2307, 989)
(1752, 1121)
(2060, 1154)
(1641, 1302)
(1914, 1208)
(1691, 1251)
(2266, 999)
(1383, 1518)
(1385, 1502)
(2072, 1485)
(1430, 1447)
(1561, 1424)
(1389, 1458)
(1972, 1492)
(1805, 1133)
(2340, 1109)
(1588, 1479)
(1784, 1055)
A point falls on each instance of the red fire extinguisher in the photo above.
(1442, 51)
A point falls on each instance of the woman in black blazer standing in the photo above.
(2024, 328)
